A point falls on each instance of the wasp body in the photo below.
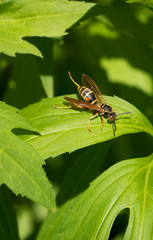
(94, 101)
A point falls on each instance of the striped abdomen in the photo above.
(88, 95)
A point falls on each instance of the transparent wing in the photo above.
(83, 104)
(89, 83)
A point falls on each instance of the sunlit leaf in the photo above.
(48, 83)
(127, 184)
(20, 165)
(65, 130)
(26, 18)
(128, 75)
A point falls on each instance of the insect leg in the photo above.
(63, 107)
(91, 119)
(102, 118)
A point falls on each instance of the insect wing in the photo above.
(89, 83)
(82, 104)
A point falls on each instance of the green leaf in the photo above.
(48, 83)
(65, 130)
(142, 80)
(20, 165)
(128, 184)
(86, 166)
(26, 18)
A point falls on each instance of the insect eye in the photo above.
(110, 119)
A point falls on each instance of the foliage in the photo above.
(25, 177)
(111, 41)
(58, 126)
(24, 18)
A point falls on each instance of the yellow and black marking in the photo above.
(88, 95)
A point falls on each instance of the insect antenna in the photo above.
(122, 113)
(73, 80)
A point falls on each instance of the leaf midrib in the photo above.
(38, 17)
(97, 125)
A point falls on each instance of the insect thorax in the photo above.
(106, 108)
